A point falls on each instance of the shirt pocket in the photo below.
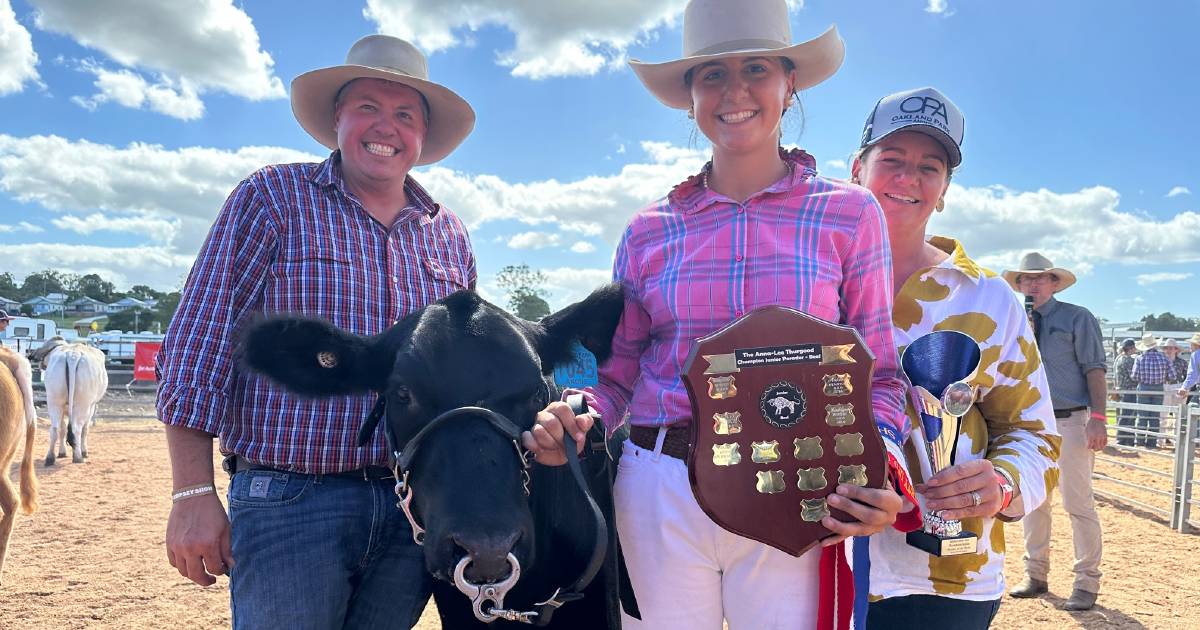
(445, 277)
(315, 281)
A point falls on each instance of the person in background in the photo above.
(1072, 350)
(1150, 371)
(1123, 380)
(1007, 442)
(1193, 370)
(313, 538)
(1176, 371)
(756, 226)
(4, 319)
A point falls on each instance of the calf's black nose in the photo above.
(488, 554)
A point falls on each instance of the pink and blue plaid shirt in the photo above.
(292, 238)
(694, 261)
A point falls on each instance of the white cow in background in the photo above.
(75, 381)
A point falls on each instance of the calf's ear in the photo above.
(311, 356)
(592, 322)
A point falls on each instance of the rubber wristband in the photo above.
(1096, 415)
(193, 491)
(1006, 490)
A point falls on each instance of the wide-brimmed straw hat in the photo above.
(1147, 341)
(391, 59)
(716, 29)
(1170, 343)
(1034, 262)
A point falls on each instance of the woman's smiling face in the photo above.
(738, 101)
(908, 173)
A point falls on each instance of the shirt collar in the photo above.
(329, 173)
(692, 196)
(1048, 307)
(959, 262)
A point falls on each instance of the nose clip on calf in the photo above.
(491, 594)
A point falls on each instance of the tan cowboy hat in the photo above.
(1034, 262)
(1148, 341)
(1170, 343)
(716, 29)
(1195, 339)
(383, 57)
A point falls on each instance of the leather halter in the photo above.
(492, 596)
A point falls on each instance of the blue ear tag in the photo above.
(580, 371)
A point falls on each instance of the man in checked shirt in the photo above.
(312, 538)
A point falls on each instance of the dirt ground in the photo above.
(93, 556)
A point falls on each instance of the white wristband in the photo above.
(193, 491)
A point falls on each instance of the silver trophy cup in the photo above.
(940, 366)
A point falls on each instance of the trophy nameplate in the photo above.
(798, 391)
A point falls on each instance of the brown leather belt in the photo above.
(236, 463)
(1066, 413)
(675, 444)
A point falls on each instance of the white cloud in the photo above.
(177, 99)
(593, 206)
(938, 7)
(160, 230)
(839, 165)
(1144, 279)
(1179, 190)
(18, 61)
(123, 266)
(562, 38)
(534, 240)
(1074, 229)
(22, 226)
(192, 47)
(583, 247)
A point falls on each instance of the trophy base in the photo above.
(940, 546)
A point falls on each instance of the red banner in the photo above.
(143, 360)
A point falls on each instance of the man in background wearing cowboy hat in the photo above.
(1150, 371)
(1193, 371)
(1071, 348)
(4, 319)
(1176, 371)
(312, 539)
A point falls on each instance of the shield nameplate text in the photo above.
(803, 422)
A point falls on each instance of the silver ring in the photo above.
(975, 499)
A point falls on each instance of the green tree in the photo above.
(95, 287)
(526, 295)
(8, 286)
(133, 320)
(143, 292)
(1169, 321)
(43, 282)
(167, 303)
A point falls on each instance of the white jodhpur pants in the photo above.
(690, 574)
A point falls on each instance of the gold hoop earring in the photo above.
(691, 114)
(941, 204)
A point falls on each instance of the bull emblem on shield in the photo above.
(783, 404)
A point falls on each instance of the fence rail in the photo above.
(1178, 426)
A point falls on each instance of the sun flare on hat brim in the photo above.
(815, 60)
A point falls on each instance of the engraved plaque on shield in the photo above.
(775, 395)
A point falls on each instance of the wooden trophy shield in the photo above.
(781, 413)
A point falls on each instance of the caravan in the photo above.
(27, 333)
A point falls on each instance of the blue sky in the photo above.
(126, 123)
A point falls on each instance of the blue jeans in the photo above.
(1127, 418)
(919, 612)
(1148, 420)
(321, 552)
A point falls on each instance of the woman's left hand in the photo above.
(874, 508)
(953, 491)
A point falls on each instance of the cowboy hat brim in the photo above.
(815, 60)
(451, 118)
(1065, 278)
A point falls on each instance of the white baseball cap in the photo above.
(925, 110)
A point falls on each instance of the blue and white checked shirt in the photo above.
(1151, 367)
